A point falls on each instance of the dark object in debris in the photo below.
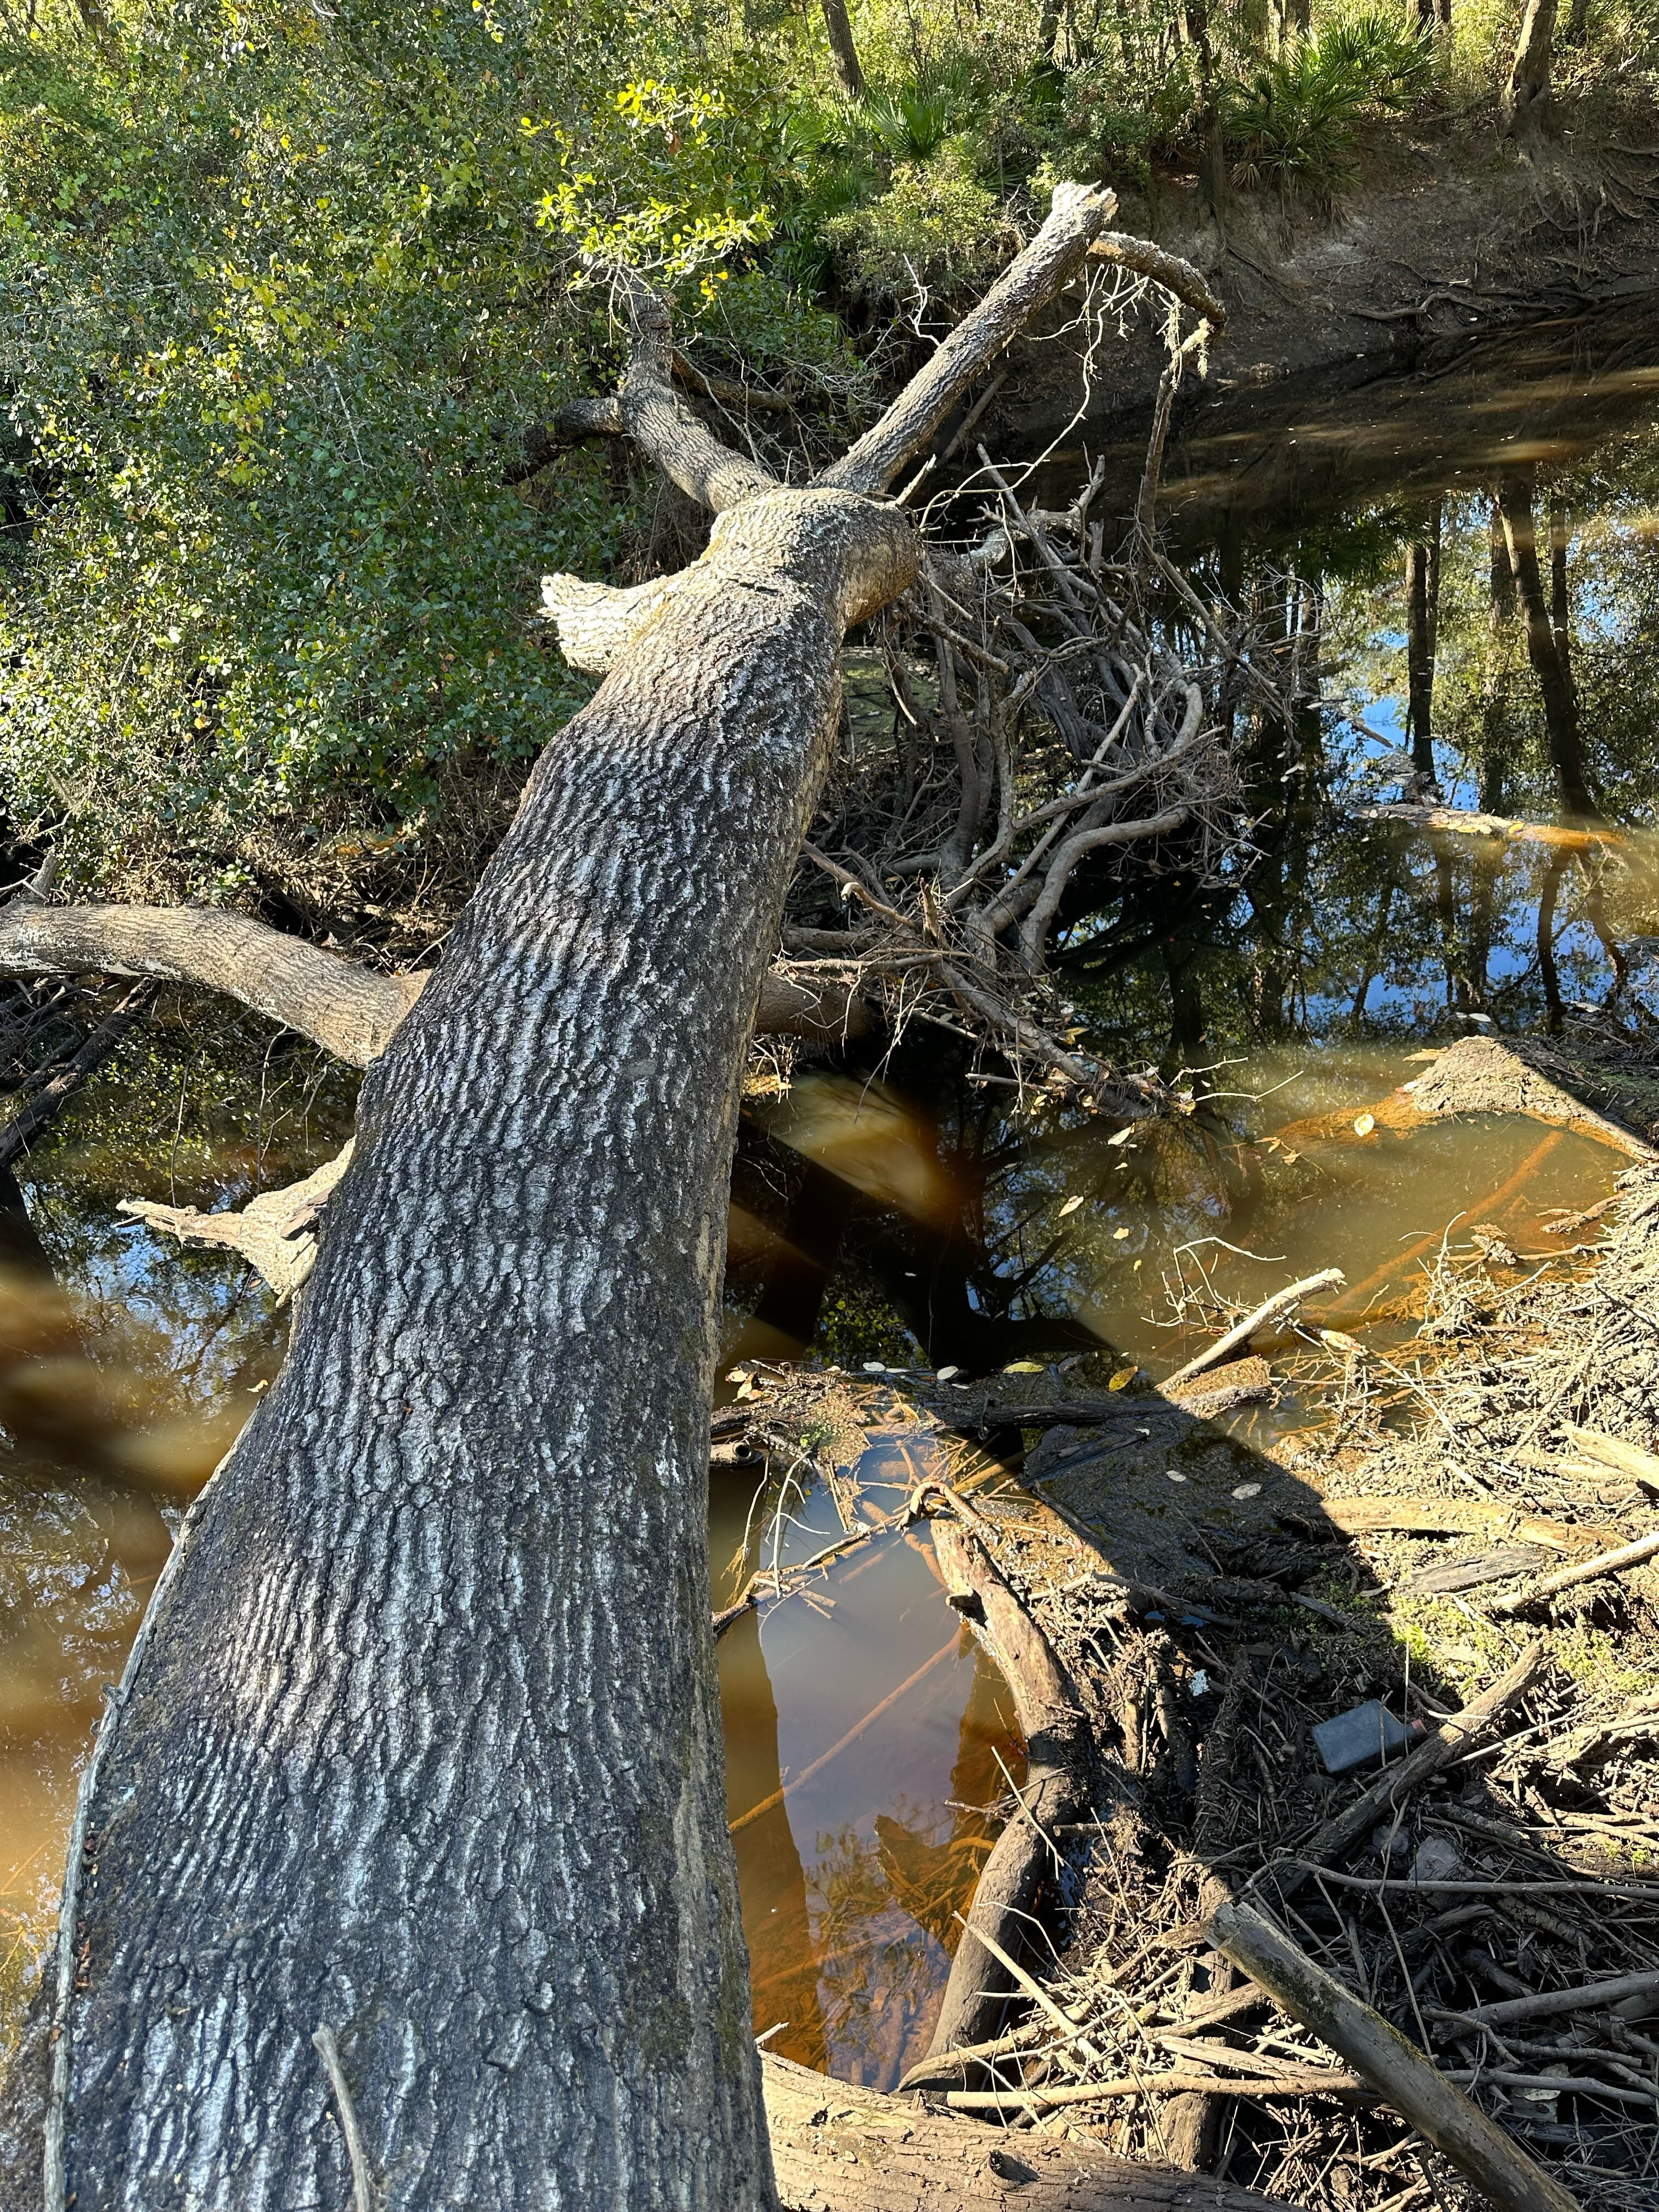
(1496, 1565)
(1011, 2169)
(1359, 1738)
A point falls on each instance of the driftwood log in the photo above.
(1056, 1787)
(838, 2149)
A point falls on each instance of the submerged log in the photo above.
(1055, 1793)
(840, 2149)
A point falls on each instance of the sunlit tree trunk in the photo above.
(419, 1744)
(843, 54)
(1526, 102)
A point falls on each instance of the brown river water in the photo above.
(913, 1216)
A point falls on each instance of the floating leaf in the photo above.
(1119, 1235)
(1069, 1206)
(1123, 1136)
(945, 1373)
(1123, 1379)
(738, 1375)
(875, 1367)
(1247, 1490)
(1025, 1367)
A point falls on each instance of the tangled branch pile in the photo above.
(1057, 734)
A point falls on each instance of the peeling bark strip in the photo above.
(422, 1741)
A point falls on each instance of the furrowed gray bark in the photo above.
(424, 1745)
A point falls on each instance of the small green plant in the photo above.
(1295, 120)
(912, 123)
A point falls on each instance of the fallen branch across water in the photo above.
(1273, 1309)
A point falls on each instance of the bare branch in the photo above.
(1044, 269)
(1169, 270)
(347, 1009)
(275, 1233)
(649, 411)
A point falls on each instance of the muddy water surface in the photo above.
(915, 1215)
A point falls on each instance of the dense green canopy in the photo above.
(284, 286)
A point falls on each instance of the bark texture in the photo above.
(849, 73)
(420, 1743)
(840, 2149)
(423, 1745)
(1526, 103)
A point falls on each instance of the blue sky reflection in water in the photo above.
(915, 1213)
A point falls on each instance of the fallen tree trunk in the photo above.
(840, 2149)
(350, 1009)
(420, 1743)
